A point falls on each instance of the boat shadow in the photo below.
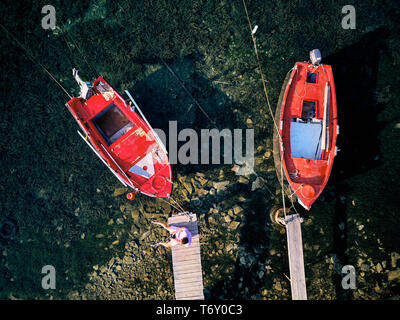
(355, 74)
(245, 278)
(174, 96)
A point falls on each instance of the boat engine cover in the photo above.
(315, 56)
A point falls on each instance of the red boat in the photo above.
(307, 119)
(122, 139)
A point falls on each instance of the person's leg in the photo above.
(165, 226)
(77, 77)
(164, 244)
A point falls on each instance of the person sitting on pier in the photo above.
(180, 236)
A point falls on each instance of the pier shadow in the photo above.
(248, 274)
(340, 241)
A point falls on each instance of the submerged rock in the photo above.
(237, 209)
(234, 225)
(244, 168)
(187, 186)
(144, 235)
(119, 191)
(257, 184)
(394, 256)
(267, 154)
(220, 186)
(277, 285)
(243, 180)
(394, 275)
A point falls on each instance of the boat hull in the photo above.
(123, 140)
(306, 116)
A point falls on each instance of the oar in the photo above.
(324, 144)
(327, 118)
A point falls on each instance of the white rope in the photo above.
(267, 99)
(305, 91)
(187, 91)
(169, 204)
(176, 202)
(30, 56)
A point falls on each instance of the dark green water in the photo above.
(61, 197)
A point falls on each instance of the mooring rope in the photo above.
(267, 98)
(178, 207)
(170, 204)
(30, 56)
(94, 71)
(176, 202)
(187, 91)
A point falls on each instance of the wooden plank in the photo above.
(188, 280)
(296, 258)
(185, 278)
(186, 257)
(185, 269)
(194, 267)
(187, 286)
(192, 263)
(185, 295)
(177, 252)
(190, 260)
(186, 261)
(195, 288)
(178, 249)
(183, 218)
(194, 298)
(186, 253)
(185, 275)
(189, 267)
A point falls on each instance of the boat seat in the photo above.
(305, 139)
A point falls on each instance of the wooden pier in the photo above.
(186, 261)
(296, 259)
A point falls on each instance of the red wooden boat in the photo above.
(122, 139)
(307, 119)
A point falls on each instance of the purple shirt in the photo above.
(182, 234)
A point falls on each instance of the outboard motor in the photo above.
(315, 57)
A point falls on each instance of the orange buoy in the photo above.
(308, 191)
(131, 196)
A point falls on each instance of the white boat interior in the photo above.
(305, 137)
